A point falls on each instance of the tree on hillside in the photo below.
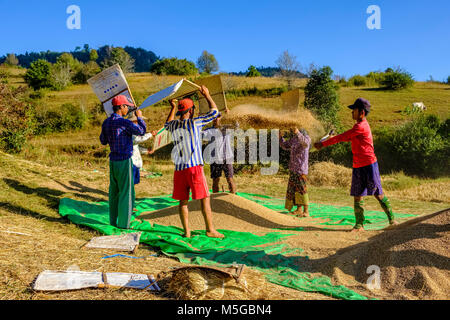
(68, 60)
(143, 59)
(38, 75)
(93, 55)
(253, 72)
(289, 67)
(321, 96)
(173, 66)
(11, 60)
(207, 63)
(120, 56)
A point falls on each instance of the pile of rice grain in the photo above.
(229, 211)
(414, 260)
(262, 118)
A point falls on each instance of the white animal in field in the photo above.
(419, 106)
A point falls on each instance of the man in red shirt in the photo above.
(366, 179)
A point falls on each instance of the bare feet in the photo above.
(354, 230)
(392, 225)
(305, 214)
(297, 213)
(214, 234)
(187, 235)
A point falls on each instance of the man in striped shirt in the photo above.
(188, 158)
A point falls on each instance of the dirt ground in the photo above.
(33, 238)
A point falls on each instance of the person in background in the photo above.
(188, 158)
(136, 157)
(222, 154)
(366, 179)
(297, 193)
(117, 132)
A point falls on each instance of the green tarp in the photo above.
(330, 215)
(265, 253)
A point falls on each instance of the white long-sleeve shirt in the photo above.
(223, 152)
(136, 157)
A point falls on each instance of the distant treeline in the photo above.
(269, 72)
(143, 59)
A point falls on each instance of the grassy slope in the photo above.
(386, 105)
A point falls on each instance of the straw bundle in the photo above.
(207, 284)
(330, 175)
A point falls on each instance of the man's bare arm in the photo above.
(205, 92)
(171, 115)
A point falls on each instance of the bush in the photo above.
(341, 81)
(321, 96)
(173, 66)
(38, 94)
(4, 76)
(39, 75)
(448, 80)
(253, 72)
(357, 81)
(420, 147)
(397, 79)
(65, 118)
(375, 78)
(88, 70)
(16, 118)
(61, 76)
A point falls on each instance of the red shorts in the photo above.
(190, 179)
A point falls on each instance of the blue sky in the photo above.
(414, 35)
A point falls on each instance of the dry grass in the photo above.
(432, 191)
(328, 174)
(235, 82)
